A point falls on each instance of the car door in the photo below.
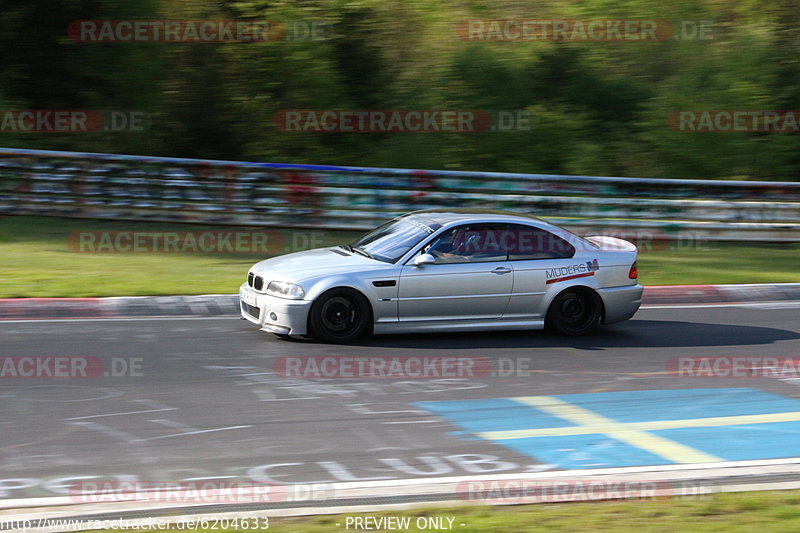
(534, 254)
(470, 280)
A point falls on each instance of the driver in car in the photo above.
(455, 247)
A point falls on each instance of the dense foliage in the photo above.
(598, 108)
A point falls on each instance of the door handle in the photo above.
(501, 270)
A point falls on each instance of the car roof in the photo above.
(447, 216)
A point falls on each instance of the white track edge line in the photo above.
(354, 485)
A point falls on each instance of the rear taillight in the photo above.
(633, 273)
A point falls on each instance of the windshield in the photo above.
(391, 241)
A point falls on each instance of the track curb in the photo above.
(222, 305)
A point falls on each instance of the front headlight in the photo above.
(283, 289)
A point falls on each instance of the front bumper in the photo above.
(621, 303)
(273, 314)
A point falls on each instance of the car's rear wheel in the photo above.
(339, 316)
(574, 312)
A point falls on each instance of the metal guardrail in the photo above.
(231, 192)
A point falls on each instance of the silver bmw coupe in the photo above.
(446, 270)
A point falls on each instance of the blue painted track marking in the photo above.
(634, 428)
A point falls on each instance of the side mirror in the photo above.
(424, 259)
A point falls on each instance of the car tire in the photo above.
(574, 312)
(339, 316)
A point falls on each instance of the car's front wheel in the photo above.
(574, 312)
(339, 316)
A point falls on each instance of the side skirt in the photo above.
(456, 325)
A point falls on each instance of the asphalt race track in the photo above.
(198, 398)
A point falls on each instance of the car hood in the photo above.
(299, 266)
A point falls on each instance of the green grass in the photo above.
(719, 263)
(748, 512)
(36, 261)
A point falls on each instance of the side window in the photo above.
(476, 243)
(526, 242)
